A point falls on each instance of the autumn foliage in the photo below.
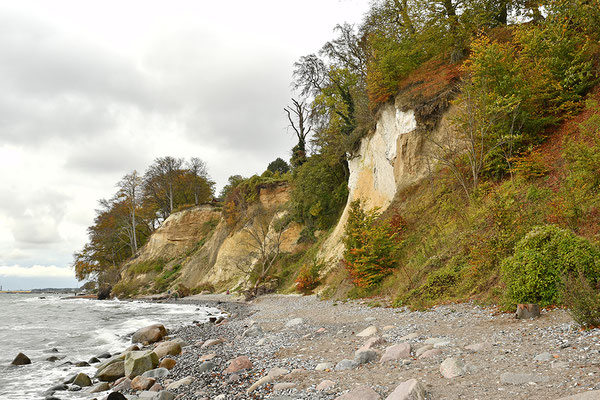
(370, 246)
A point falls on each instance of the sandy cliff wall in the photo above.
(394, 157)
(179, 233)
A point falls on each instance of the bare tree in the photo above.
(130, 191)
(264, 235)
(298, 114)
(467, 150)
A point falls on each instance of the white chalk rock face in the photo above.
(375, 169)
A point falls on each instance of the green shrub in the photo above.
(533, 274)
(582, 300)
(370, 246)
(308, 278)
(145, 267)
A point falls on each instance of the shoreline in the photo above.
(297, 345)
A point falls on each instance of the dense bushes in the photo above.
(308, 278)
(534, 273)
(370, 246)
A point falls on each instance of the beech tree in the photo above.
(160, 180)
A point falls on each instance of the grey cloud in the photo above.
(54, 86)
(231, 96)
(105, 157)
(36, 222)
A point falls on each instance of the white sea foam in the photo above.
(79, 329)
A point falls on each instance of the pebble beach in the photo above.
(299, 347)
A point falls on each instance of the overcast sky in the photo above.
(90, 91)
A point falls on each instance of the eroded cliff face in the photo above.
(394, 157)
(210, 251)
(179, 233)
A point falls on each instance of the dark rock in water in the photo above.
(21, 359)
(51, 398)
(93, 360)
(52, 350)
(66, 363)
(82, 364)
(52, 358)
(60, 386)
(116, 396)
(104, 293)
(104, 355)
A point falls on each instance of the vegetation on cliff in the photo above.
(521, 77)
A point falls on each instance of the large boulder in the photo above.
(21, 359)
(142, 383)
(238, 364)
(82, 380)
(170, 348)
(111, 372)
(149, 334)
(138, 362)
(396, 352)
(409, 390)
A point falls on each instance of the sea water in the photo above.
(79, 329)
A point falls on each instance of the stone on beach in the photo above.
(254, 331)
(21, 359)
(396, 352)
(156, 373)
(283, 386)
(346, 365)
(207, 357)
(409, 390)
(82, 380)
(238, 364)
(292, 323)
(182, 382)
(122, 384)
(452, 368)
(167, 363)
(371, 342)
(142, 383)
(170, 348)
(259, 383)
(360, 393)
(111, 372)
(277, 372)
(422, 350)
(365, 356)
(325, 385)
(323, 366)
(370, 331)
(212, 342)
(100, 387)
(431, 353)
(149, 334)
(138, 362)
(206, 366)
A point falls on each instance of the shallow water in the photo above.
(79, 329)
